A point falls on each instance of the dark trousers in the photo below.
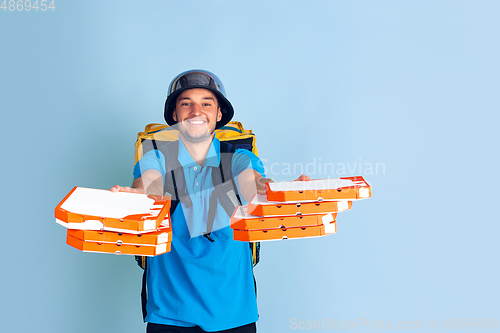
(157, 328)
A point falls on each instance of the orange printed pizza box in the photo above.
(260, 206)
(344, 188)
(163, 235)
(93, 209)
(260, 235)
(132, 249)
(243, 221)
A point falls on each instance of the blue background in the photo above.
(412, 85)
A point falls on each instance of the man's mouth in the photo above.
(196, 121)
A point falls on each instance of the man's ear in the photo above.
(219, 114)
(174, 116)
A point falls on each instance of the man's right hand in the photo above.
(151, 182)
(118, 188)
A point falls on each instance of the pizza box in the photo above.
(163, 235)
(138, 250)
(259, 235)
(260, 206)
(344, 188)
(243, 221)
(94, 209)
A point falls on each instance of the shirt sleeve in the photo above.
(154, 160)
(244, 159)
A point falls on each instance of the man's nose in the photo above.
(196, 109)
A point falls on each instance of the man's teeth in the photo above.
(196, 122)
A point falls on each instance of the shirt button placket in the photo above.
(196, 178)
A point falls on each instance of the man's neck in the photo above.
(198, 151)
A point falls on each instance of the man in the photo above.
(204, 284)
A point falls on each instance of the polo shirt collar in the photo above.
(212, 159)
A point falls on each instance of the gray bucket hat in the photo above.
(198, 78)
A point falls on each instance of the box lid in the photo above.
(94, 209)
(344, 188)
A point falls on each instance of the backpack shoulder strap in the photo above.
(228, 189)
(225, 191)
(174, 184)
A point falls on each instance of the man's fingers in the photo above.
(263, 181)
(115, 188)
(118, 188)
(261, 185)
(303, 178)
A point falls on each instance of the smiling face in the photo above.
(197, 112)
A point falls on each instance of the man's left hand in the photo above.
(303, 178)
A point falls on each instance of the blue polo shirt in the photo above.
(200, 283)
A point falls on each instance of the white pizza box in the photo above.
(260, 206)
(241, 220)
(130, 249)
(343, 188)
(328, 227)
(95, 209)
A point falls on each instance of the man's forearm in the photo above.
(251, 183)
(151, 182)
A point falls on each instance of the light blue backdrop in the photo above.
(410, 87)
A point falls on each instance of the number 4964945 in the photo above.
(27, 5)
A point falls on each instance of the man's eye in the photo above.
(206, 104)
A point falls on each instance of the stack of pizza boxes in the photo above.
(116, 222)
(297, 209)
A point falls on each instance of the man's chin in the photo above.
(196, 138)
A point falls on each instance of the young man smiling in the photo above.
(204, 284)
(197, 113)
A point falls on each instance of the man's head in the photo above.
(196, 113)
(201, 79)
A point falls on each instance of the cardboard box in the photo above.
(260, 206)
(344, 188)
(93, 209)
(329, 227)
(138, 250)
(163, 235)
(243, 221)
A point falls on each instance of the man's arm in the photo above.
(150, 182)
(251, 183)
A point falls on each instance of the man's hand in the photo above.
(303, 178)
(251, 183)
(118, 188)
(151, 182)
(261, 184)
